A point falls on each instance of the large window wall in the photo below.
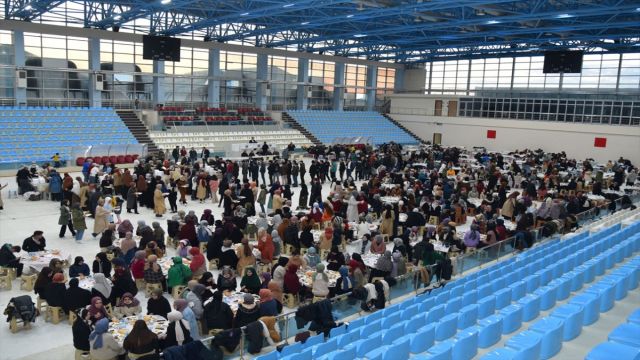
(599, 71)
(59, 72)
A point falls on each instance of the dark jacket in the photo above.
(76, 298)
(291, 236)
(246, 316)
(170, 340)
(255, 337)
(55, 294)
(76, 270)
(218, 315)
(269, 308)
(29, 245)
(158, 306)
(319, 314)
(81, 331)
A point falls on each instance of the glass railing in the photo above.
(410, 284)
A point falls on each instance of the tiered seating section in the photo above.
(624, 341)
(36, 133)
(476, 311)
(327, 126)
(179, 116)
(216, 140)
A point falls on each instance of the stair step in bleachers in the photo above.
(36, 133)
(455, 321)
(327, 126)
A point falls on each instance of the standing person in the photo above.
(158, 201)
(77, 218)
(64, 220)
(1, 203)
(132, 198)
(55, 185)
(101, 221)
(56, 160)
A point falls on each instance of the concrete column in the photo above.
(398, 81)
(95, 96)
(338, 90)
(262, 77)
(18, 43)
(158, 88)
(213, 87)
(302, 98)
(372, 81)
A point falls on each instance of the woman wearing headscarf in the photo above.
(277, 243)
(248, 312)
(344, 284)
(399, 264)
(352, 207)
(138, 264)
(245, 255)
(152, 273)
(102, 287)
(198, 264)
(377, 245)
(250, 282)
(178, 331)
(217, 313)
(124, 227)
(472, 236)
(75, 297)
(55, 291)
(227, 280)
(266, 278)
(320, 287)
(122, 281)
(383, 266)
(77, 218)
(326, 238)
(141, 341)
(194, 298)
(102, 265)
(201, 190)
(266, 246)
(101, 220)
(158, 235)
(159, 208)
(398, 245)
(132, 198)
(312, 258)
(268, 305)
(188, 232)
(291, 280)
(388, 218)
(81, 330)
(97, 309)
(306, 237)
(316, 213)
(203, 233)
(103, 345)
(183, 306)
(79, 268)
(158, 304)
(178, 274)
(228, 255)
(279, 270)
(335, 259)
(127, 306)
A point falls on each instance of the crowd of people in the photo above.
(387, 203)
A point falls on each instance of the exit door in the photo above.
(437, 139)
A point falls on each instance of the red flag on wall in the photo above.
(491, 134)
(600, 142)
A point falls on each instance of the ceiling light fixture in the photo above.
(28, 8)
(359, 35)
(165, 2)
(493, 22)
(304, 23)
(350, 16)
(287, 5)
(564, 16)
(244, 14)
(117, 17)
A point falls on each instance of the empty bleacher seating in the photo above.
(456, 321)
(36, 133)
(327, 126)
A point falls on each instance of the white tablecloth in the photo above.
(306, 274)
(38, 260)
(370, 259)
(122, 328)
(233, 299)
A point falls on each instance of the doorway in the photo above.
(437, 139)
(438, 109)
(452, 109)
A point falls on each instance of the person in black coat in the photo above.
(306, 237)
(215, 244)
(106, 240)
(8, 259)
(248, 312)
(102, 265)
(291, 234)
(217, 313)
(81, 330)
(55, 291)
(158, 304)
(175, 318)
(34, 243)
(76, 297)
(122, 284)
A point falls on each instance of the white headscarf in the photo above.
(103, 285)
(176, 316)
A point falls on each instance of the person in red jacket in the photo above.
(137, 265)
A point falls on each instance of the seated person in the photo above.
(79, 268)
(128, 306)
